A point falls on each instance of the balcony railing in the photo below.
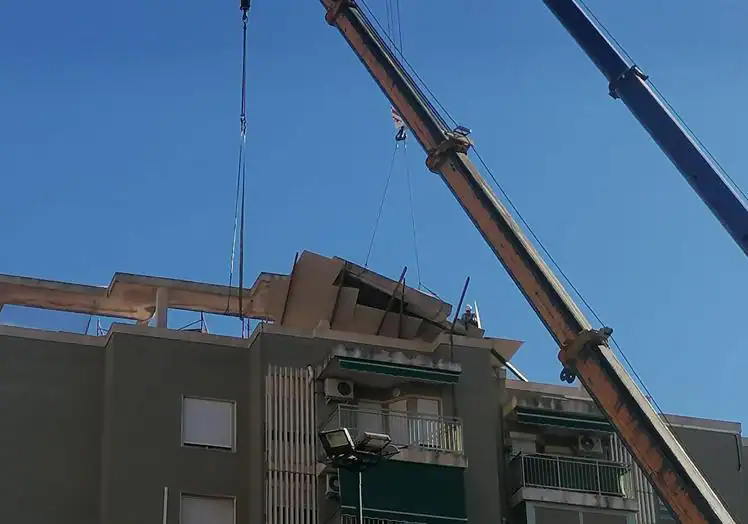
(351, 519)
(571, 474)
(406, 429)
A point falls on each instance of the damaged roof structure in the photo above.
(319, 291)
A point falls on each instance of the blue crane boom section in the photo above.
(630, 85)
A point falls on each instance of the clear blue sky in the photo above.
(119, 138)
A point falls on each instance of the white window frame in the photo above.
(183, 495)
(188, 444)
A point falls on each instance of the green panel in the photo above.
(578, 421)
(399, 370)
(399, 490)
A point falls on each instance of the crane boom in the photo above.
(584, 351)
(627, 82)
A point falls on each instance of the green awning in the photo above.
(576, 421)
(443, 376)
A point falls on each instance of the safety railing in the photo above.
(405, 429)
(601, 477)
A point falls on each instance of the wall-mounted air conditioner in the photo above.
(336, 389)
(590, 445)
(332, 486)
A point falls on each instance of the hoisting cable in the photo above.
(381, 204)
(244, 4)
(240, 199)
(412, 214)
(446, 114)
(396, 31)
(442, 112)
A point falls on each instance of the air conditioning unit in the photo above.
(332, 486)
(338, 389)
(590, 445)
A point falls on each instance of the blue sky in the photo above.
(119, 138)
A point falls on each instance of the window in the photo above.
(207, 510)
(208, 423)
(431, 407)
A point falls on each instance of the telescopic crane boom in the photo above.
(584, 351)
(627, 82)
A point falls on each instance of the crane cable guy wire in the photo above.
(240, 198)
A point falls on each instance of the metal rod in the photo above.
(459, 305)
(402, 311)
(392, 298)
(164, 517)
(511, 367)
(337, 294)
(290, 284)
(360, 497)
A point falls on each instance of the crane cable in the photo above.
(444, 113)
(395, 27)
(240, 199)
(381, 204)
(394, 34)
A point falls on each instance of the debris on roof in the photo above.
(319, 291)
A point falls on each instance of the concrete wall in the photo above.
(145, 380)
(478, 397)
(718, 454)
(50, 431)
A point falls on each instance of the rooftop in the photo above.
(331, 293)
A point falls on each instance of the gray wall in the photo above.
(60, 401)
(478, 396)
(145, 380)
(50, 431)
(717, 454)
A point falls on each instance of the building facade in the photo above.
(145, 422)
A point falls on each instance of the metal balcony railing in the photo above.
(405, 429)
(601, 477)
(351, 519)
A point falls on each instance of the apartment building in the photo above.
(146, 422)
(566, 465)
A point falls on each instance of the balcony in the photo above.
(590, 480)
(424, 438)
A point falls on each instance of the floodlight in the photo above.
(336, 442)
(373, 442)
